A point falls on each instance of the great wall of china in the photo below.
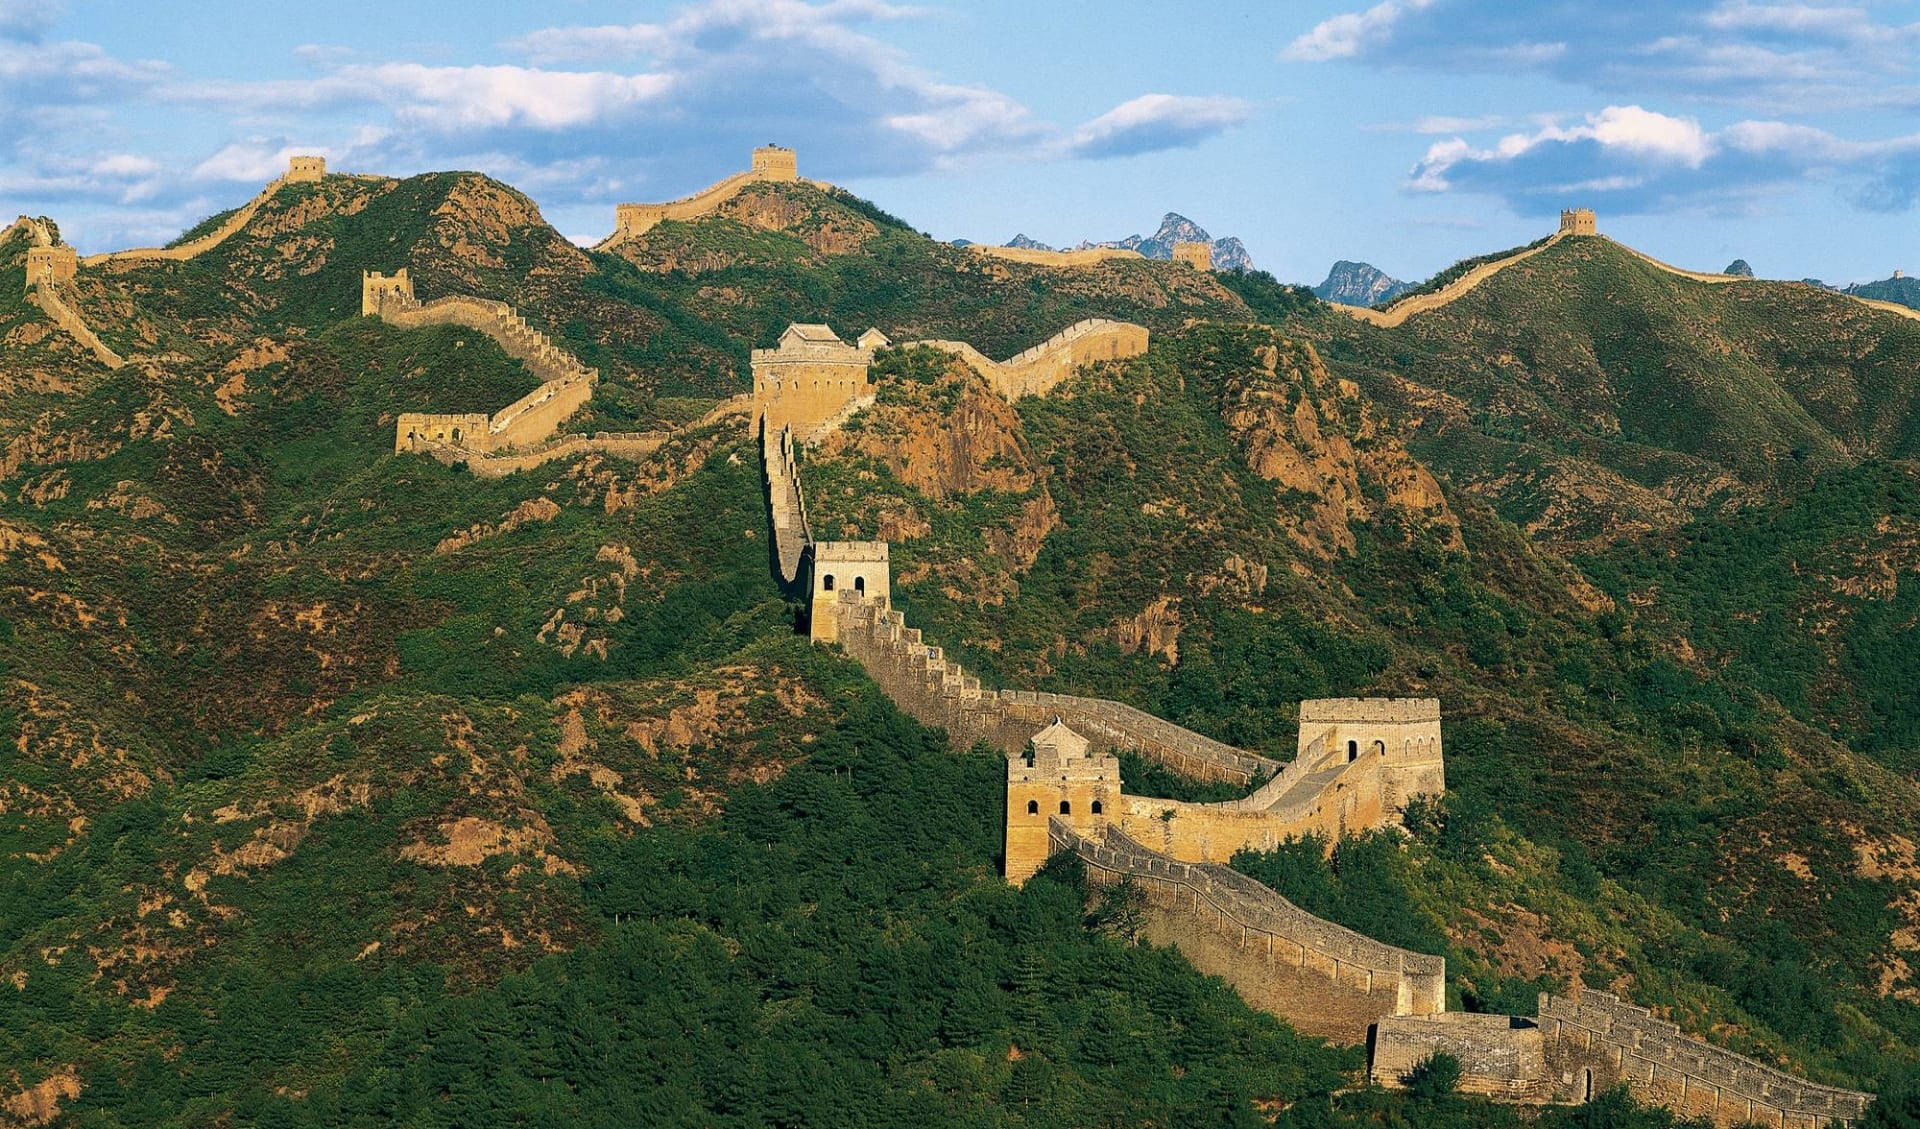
(522, 434)
(1573, 222)
(1358, 762)
(770, 164)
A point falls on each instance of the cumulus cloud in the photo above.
(1785, 56)
(1156, 121)
(1630, 159)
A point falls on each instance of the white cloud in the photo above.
(1156, 121)
(1351, 33)
(1633, 159)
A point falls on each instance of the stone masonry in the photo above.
(810, 379)
(630, 221)
(1578, 221)
(1196, 253)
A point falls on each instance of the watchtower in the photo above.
(839, 567)
(1196, 253)
(1060, 777)
(50, 265)
(306, 169)
(378, 289)
(1403, 733)
(1578, 221)
(810, 375)
(771, 162)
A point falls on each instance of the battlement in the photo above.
(306, 170)
(1389, 711)
(50, 266)
(1195, 253)
(1037, 370)
(1578, 221)
(1598, 1040)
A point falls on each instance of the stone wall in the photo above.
(1232, 926)
(630, 221)
(1408, 307)
(1501, 1056)
(524, 428)
(48, 298)
(791, 531)
(299, 169)
(627, 445)
(924, 683)
(1597, 1041)
(1083, 258)
(1036, 371)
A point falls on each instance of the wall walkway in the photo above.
(47, 296)
(1621, 1043)
(1399, 312)
(1356, 980)
(1036, 371)
(1894, 308)
(792, 534)
(198, 246)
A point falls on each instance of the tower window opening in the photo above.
(1353, 751)
(1033, 807)
(860, 584)
(1096, 807)
(827, 584)
(1066, 808)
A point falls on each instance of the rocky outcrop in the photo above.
(1359, 284)
(1739, 269)
(1320, 439)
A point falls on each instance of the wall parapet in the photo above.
(792, 532)
(1642, 1046)
(1035, 371)
(1418, 980)
(939, 692)
(1332, 711)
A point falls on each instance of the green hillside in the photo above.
(344, 787)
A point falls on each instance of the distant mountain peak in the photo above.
(1359, 284)
(1739, 269)
(1228, 253)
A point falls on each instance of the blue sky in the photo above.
(1408, 133)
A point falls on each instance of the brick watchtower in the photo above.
(1578, 221)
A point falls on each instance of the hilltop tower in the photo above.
(1578, 221)
(810, 376)
(1403, 733)
(50, 265)
(307, 170)
(1196, 253)
(1058, 777)
(846, 566)
(377, 289)
(771, 162)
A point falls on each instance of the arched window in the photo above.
(1353, 751)
(1033, 807)
(1096, 807)
(1066, 808)
(860, 584)
(827, 584)
(1380, 748)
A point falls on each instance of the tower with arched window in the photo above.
(840, 567)
(1059, 776)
